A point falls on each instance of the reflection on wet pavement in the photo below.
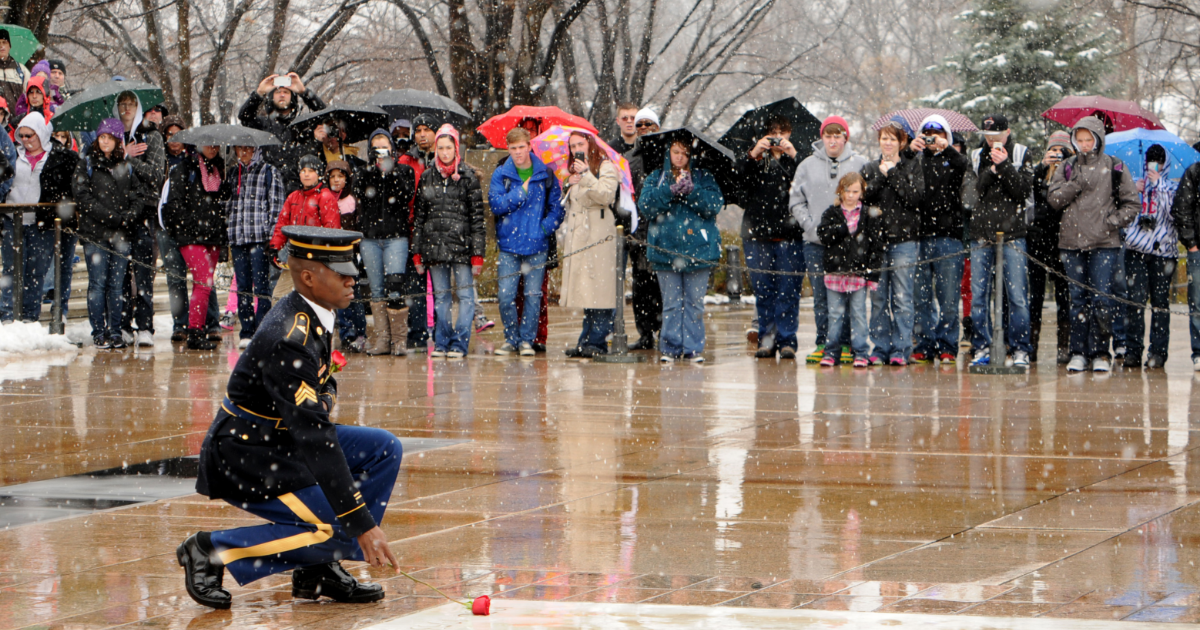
(743, 484)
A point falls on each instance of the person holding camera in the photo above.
(772, 237)
(1004, 184)
(590, 228)
(1150, 249)
(279, 96)
(1042, 242)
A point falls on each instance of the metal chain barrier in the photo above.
(1087, 287)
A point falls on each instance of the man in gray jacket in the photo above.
(1097, 197)
(813, 190)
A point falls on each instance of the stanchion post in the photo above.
(619, 352)
(733, 274)
(18, 279)
(56, 314)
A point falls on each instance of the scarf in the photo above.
(211, 179)
(449, 170)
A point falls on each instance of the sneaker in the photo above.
(102, 343)
(243, 344)
(228, 319)
(847, 354)
(539, 348)
(982, 357)
(765, 353)
(505, 349)
(829, 361)
(179, 334)
(1008, 361)
(1077, 363)
(145, 339)
(1064, 356)
(118, 342)
(752, 332)
(438, 353)
(921, 358)
(666, 358)
(1020, 358)
(816, 355)
(1101, 365)
(1119, 352)
(127, 337)
(694, 357)
(482, 323)
(526, 349)
(787, 353)
(874, 361)
(1196, 364)
(455, 354)
(947, 358)
(860, 363)
(1132, 361)
(898, 362)
(358, 345)
(1155, 362)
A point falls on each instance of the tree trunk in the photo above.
(275, 38)
(218, 60)
(426, 48)
(637, 84)
(185, 62)
(158, 61)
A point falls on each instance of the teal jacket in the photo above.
(681, 224)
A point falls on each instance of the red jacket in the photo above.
(417, 169)
(317, 206)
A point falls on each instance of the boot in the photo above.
(197, 339)
(203, 572)
(399, 319)
(379, 341)
(332, 581)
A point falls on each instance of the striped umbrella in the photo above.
(913, 117)
(551, 148)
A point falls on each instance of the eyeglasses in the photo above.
(626, 118)
(644, 125)
(26, 136)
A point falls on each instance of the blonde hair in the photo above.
(847, 181)
(517, 135)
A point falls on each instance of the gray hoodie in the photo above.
(1091, 219)
(815, 183)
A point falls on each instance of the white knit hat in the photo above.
(646, 114)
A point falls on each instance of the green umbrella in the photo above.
(24, 44)
(85, 110)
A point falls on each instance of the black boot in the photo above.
(332, 581)
(645, 342)
(198, 340)
(204, 574)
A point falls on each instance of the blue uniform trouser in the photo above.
(303, 529)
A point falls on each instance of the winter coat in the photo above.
(13, 78)
(1002, 196)
(49, 106)
(384, 201)
(1041, 238)
(193, 215)
(1158, 238)
(316, 206)
(681, 224)
(763, 195)
(109, 197)
(448, 226)
(255, 200)
(8, 150)
(1082, 189)
(815, 185)
(151, 166)
(49, 181)
(589, 277)
(898, 196)
(279, 124)
(941, 206)
(525, 218)
(852, 254)
(1185, 210)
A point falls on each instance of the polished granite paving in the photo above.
(734, 484)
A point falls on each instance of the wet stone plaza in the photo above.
(740, 493)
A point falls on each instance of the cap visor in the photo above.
(344, 268)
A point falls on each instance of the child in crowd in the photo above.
(313, 205)
(853, 253)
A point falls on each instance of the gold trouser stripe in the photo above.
(324, 532)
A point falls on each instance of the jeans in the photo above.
(683, 312)
(1016, 294)
(381, 258)
(458, 336)
(66, 270)
(814, 262)
(1037, 295)
(777, 297)
(1149, 277)
(856, 304)
(1091, 313)
(37, 252)
(597, 326)
(351, 321)
(1120, 289)
(511, 269)
(251, 269)
(176, 271)
(1193, 269)
(418, 317)
(892, 303)
(936, 326)
(139, 282)
(106, 280)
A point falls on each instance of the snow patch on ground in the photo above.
(724, 299)
(21, 338)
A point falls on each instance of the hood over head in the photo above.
(1094, 125)
(38, 124)
(137, 116)
(938, 120)
(449, 131)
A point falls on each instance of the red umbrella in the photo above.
(1117, 115)
(914, 117)
(498, 126)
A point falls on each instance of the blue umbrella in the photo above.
(1131, 147)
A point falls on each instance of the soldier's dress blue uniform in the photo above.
(273, 451)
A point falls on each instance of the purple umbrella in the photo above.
(913, 117)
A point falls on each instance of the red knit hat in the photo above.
(835, 120)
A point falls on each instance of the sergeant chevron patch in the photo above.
(305, 392)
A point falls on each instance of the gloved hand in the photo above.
(683, 186)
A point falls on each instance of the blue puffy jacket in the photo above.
(525, 218)
(681, 224)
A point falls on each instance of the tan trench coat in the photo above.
(589, 278)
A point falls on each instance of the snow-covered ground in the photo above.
(19, 338)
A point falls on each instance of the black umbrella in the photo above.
(806, 129)
(225, 136)
(360, 120)
(706, 154)
(409, 103)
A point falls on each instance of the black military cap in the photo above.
(333, 248)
